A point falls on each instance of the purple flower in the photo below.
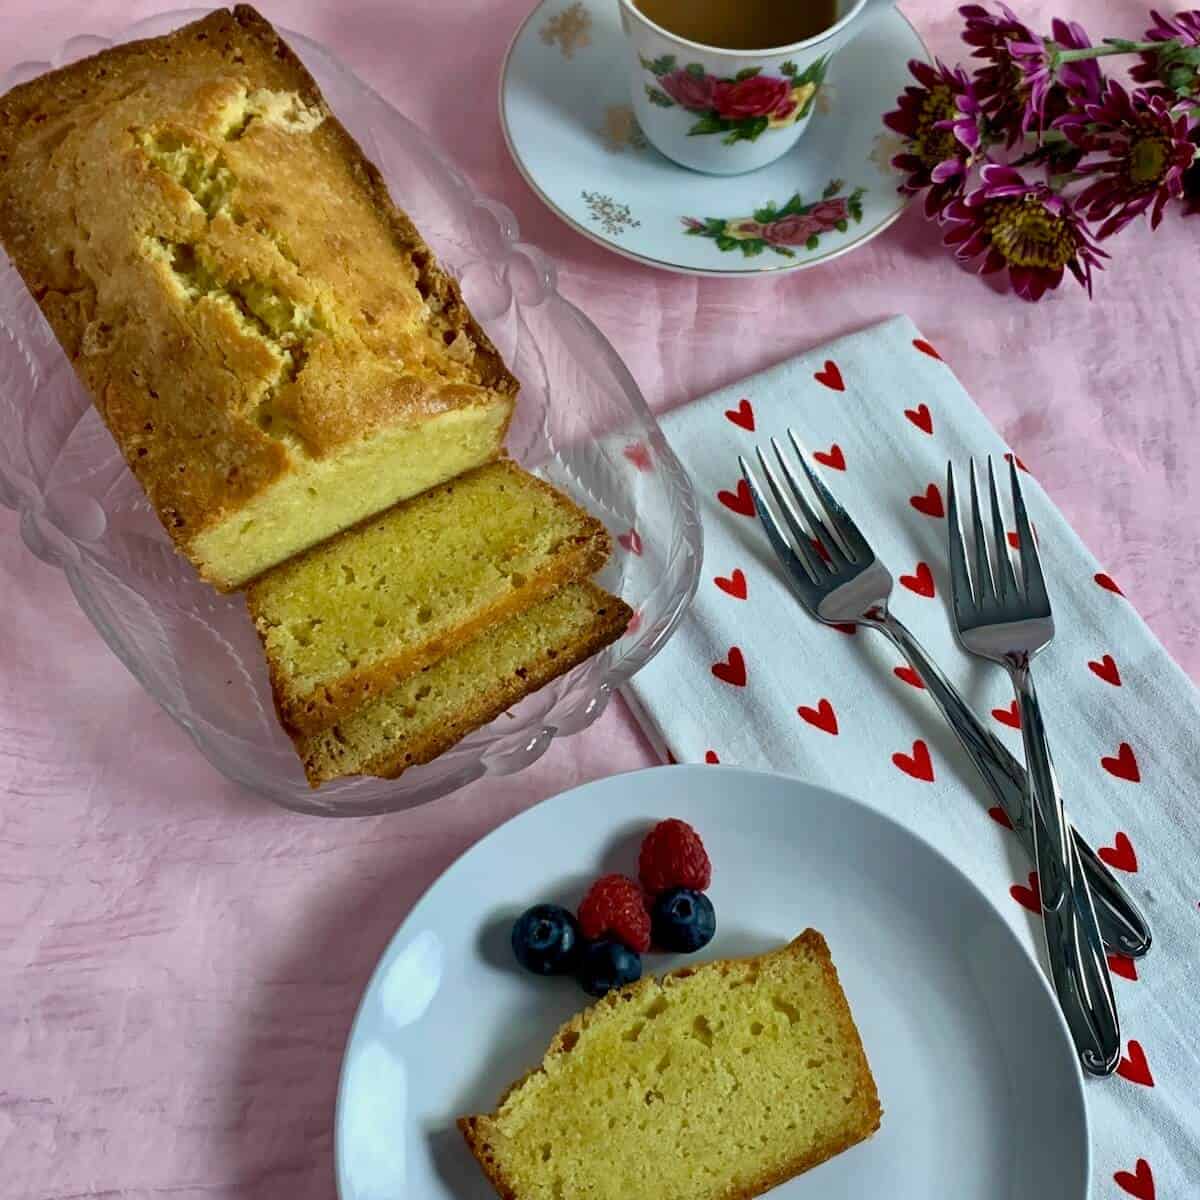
(998, 84)
(940, 123)
(691, 91)
(1052, 88)
(1143, 149)
(1175, 70)
(1025, 227)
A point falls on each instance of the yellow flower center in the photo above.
(1147, 161)
(931, 145)
(1028, 234)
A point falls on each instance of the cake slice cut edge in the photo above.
(430, 711)
(352, 618)
(680, 1094)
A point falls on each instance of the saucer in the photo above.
(565, 110)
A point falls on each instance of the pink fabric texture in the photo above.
(180, 961)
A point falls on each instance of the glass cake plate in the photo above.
(581, 422)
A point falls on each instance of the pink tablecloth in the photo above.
(179, 961)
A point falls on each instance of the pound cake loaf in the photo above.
(267, 336)
(716, 1082)
(351, 618)
(429, 711)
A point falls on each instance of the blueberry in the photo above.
(683, 920)
(545, 939)
(607, 964)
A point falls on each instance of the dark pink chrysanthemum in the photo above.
(940, 123)
(1051, 88)
(1139, 150)
(1175, 70)
(1024, 85)
(998, 83)
(1033, 232)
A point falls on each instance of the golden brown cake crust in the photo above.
(810, 942)
(224, 267)
(310, 712)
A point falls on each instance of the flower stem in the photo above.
(1109, 47)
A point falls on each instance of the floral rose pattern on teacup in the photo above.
(785, 229)
(741, 107)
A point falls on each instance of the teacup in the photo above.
(729, 111)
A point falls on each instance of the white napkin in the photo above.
(750, 679)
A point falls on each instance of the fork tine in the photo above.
(837, 558)
(798, 552)
(855, 546)
(985, 587)
(1006, 581)
(1031, 562)
(961, 588)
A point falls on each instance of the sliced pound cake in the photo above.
(716, 1082)
(429, 711)
(350, 619)
(267, 336)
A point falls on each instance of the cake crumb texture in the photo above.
(269, 339)
(715, 1082)
(352, 617)
(430, 711)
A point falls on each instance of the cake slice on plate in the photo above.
(715, 1082)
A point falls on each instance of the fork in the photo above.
(847, 584)
(1008, 622)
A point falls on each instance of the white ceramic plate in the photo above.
(981, 1094)
(564, 106)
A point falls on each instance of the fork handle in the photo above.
(1122, 925)
(1073, 945)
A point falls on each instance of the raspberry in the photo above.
(673, 856)
(614, 906)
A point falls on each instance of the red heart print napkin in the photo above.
(751, 679)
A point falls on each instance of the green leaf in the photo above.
(695, 69)
(768, 212)
(842, 225)
(708, 124)
(813, 242)
(663, 65)
(747, 73)
(832, 188)
(744, 129)
(784, 251)
(714, 226)
(753, 127)
(647, 63)
(788, 68)
(655, 96)
(814, 72)
(727, 243)
(690, 232)
(854, 203)
(753, 246)
(793, 207)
